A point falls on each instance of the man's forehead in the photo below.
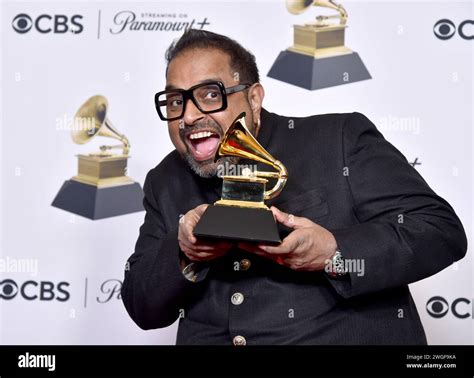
(197, 66)
(207, 80)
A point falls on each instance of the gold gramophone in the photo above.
(241, 213)
(101, 188)
(321, 38)
(318, 57)
(101, 169)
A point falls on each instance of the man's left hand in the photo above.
(307, 248)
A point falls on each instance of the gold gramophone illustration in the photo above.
(322, 37)
(241, 213)
(319, 57)
(101, 187)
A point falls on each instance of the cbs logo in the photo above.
(45, 23)
(438, 307)
(32, 290)
(445, 29)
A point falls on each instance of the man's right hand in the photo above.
(194, 249)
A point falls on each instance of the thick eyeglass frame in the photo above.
(188, 95)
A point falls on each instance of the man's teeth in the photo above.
(202, 134)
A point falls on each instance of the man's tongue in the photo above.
(205, 147)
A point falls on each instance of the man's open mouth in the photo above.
(203, 144)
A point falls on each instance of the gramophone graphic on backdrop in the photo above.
(318, 58)
(241, 213)
(101, 188)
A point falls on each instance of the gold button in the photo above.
(244, 264)
(239, 340)
(237, 298)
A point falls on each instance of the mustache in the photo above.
(204, 125)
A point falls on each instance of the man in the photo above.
(350, 197)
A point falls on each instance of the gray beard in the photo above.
(208, 168)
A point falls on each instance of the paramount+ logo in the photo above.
(461, 308)
(34, 290)
(46, 23)
(446, 29)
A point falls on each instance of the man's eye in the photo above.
(211, 95)
(175, 102)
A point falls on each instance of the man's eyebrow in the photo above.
(171, 86)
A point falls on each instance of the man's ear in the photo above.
(256, 94)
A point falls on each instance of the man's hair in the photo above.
(242, 61)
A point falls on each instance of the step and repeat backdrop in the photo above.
(62, 260)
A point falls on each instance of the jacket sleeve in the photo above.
(405, 232)
(154, 287)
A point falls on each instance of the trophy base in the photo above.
(103, 170)
(238, 223)
(94, 203)
(307, 72)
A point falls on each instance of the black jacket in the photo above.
(344, 176)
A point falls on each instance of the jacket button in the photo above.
(239, 340)
(244, 264)
(237, 298)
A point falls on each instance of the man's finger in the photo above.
(289, 220)
(249, 247)
(288, 245)
(214, 244)
(205, 247)
(184, 236)
(278, 258)
(205, 256)
(183, 242)
(284, 248)
(187, 228)
(201, 209)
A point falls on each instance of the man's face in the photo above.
(196, 136)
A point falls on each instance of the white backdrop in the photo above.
(420, 97)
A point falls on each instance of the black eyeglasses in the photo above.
(209, 97)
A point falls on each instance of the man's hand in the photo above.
(198, 250)
(306, 248)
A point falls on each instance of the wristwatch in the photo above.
(189, 272)
(194, 271)
(337, 265)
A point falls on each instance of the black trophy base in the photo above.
(98, 203)
(238, 223)
(310, 73)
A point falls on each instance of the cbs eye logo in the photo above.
(45, 23)
(22, 23)
(438, 307)
(445, 29)
(8, 289)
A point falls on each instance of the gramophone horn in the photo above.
(239, 141)
(298, 6)
(92, 120)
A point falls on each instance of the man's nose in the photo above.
(191, 113)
